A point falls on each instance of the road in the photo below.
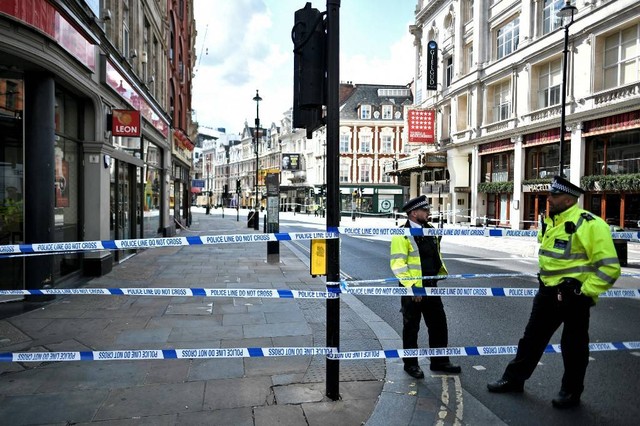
(613, 378)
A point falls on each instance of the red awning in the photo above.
(196, 189)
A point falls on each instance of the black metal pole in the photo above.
(564, 12)
(333, 192)
(256, 215)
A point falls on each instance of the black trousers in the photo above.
(547, 314)
(430, 308)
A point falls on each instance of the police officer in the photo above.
(412, 258)
(578, 262)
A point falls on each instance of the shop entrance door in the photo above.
(124, 212)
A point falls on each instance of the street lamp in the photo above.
(256, 216)
(567, 11)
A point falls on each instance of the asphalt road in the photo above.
(613, 378)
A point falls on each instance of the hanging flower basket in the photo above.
(617, 183)
(496, 187)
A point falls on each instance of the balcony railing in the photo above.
(435, 187)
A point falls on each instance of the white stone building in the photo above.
(498, 104)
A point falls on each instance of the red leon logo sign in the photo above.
(422, 126)
(125, 123)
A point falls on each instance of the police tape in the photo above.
(180, 292)
(331, 353)
(331, 293)
(17, 250)
(470, 351)
(146, 243)
(470, 291)
(455, 232)
(149, 354)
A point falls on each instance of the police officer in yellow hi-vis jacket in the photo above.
(578, 262)
(412, 258)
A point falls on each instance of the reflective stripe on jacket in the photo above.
(405, 260)
(577, 244)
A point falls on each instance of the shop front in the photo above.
(542, 159)
(612, 169)
(496, 182)
(376, 200)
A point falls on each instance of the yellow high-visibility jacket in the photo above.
(405, 260)
(577, 244)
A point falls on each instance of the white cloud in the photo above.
(243, 46)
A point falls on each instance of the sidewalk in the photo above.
(235, 391)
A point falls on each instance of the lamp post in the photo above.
(256, 216)
(567, 11)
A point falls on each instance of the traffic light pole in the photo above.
(333, 192)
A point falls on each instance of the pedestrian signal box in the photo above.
(318, 263)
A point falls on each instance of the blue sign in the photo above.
(432, 65)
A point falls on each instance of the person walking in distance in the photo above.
(411, 259)
(578, 262)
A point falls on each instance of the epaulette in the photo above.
(587, 216)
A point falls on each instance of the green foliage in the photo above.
(496, 187)
(537, 181)
(627, 182)
(10, 214)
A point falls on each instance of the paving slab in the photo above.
(151, 400)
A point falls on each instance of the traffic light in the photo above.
(309, 68)
(238, 188)
(225, 194)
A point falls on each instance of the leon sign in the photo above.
(125, 123)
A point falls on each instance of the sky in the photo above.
(244, 45)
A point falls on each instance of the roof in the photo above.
(375, 95)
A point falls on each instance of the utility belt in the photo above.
(568, 286)
(568, 289)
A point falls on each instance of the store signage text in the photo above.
(125, 123)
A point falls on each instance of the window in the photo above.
(549, 81)
(497, 167)
(507, 38)
(622, 57)
(365, 172)
(387, 143)
(468, 10)
(344, 171)
(125, 31)
(501, 101)
(365, 143)
(550, 20)
(462, 121)
(468, 57)
(448, 75)
(385, 178)
(387, 112)
(345, 140)
(365, 112)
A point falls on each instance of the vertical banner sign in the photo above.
(432, 65)
(421, 123)
(125, 123)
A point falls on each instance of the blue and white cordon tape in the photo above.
(332, 233)
(331, 353)
(180, 291)
(146, 243)
(331, 293)
(146, 354)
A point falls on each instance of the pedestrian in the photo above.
(578, 262)
(411, 259)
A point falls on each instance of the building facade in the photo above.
(499, 106)
(372, 138)
(67, 68)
